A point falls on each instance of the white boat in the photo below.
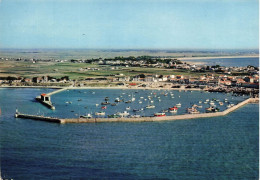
(133, 98)
(128, 108)
(117, 100)
(100, 113)
(159, 114)
(178, 105)
(192, 111)
(86, 116)
(135, 116)
(212, 103)
(200, 102)
(123, 114)
(150, 106)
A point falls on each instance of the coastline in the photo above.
(216, 57)
(102, 87)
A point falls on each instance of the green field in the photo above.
(57, 70)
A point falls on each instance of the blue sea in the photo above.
(228, 62)
(208, 148)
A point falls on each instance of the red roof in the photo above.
(132, 84)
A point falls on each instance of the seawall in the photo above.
(40, 118)
(141, 119)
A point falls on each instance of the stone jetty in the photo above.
(45, 99)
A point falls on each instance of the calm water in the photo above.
(229, 62)
(212, 148)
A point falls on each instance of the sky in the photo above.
(130, 24)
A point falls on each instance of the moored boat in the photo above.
(173, 109)
(86, 116)
(123, 114)
(105, 103)
(212, 109)
(159, 114)
(192, 110)
(150, 106)
(100, 113)
(178, 105)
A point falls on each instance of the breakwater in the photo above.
(57, 91)
(141, 119)
(40, 118)
(45, 98)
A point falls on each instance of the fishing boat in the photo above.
(86, 116)
(117, 100)
(114, 116)
(100, 113)
(135, 116)
(178, 105)
(173, 109)
(229, 106)
(105, 103)
(138, 110)
(221, 103)
(159, 114)
(113, 104)
(212, 103)
(103, 107)
(150, 106)
(106, 98)
(123, 114)
(212, 109)
(192, 111)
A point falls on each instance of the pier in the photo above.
(45, 99)
(141, 119)
(57, 91)
(40, 118)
